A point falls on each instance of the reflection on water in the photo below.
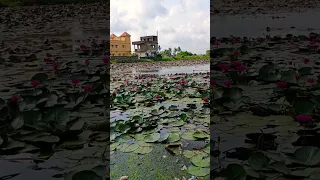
(180, 69)
(256, 26)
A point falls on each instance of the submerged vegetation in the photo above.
(265, 108)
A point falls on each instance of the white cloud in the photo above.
(181, 23)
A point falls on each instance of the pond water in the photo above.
(181, 69)
(255, 26)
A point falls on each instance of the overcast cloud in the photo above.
(180, 23)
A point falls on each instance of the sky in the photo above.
(180, 23)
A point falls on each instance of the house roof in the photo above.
(125, 34)
(112, 36)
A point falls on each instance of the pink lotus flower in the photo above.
(282, 84)
(35, 83)
(242, 68)
(302, 118)
(236, 53)
(14, 98)
(298, 75)
(306, 61)
(197, 89)
(311, 81)
(158, 96)
(205, 99)
(212, 81)
(312, 42)
(217, 43)
(75, 81)
(48, 60)
(86, 62)
(55, 66)
(228, 84)
(223, 67)
(236, 63)
(114, 92)
(84, 47)
(88, 88)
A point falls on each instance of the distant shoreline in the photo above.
(122, 68)
(246, 7)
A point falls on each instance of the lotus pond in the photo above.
(265, 108)
(159, 126)
(53, 112)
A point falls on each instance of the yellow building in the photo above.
(120, 46)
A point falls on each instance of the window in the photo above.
(123, 46)
(112, 54)
(112, 45)
(116, 46)
(119, 54)
(124, 54)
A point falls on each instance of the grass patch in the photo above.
(176, 58)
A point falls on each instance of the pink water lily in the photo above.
(88, 88)
(75, 81)
(306, 61)
(311, 81)
(303, 118)
(223, 67)
(86, 62)
(236, 53)
(282, 84)
(14, 98)
(35, 83)
(242, 68)
(205, 99)
(236, 63)
(55, 66)
(227, 84)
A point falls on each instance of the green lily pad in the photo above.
(152, 137)
(207, 148)
(236, 172)
(258, 160)
(139, 137)
(173, 137)
(85, 175)
(188, 136)
(304, 106)
(177, 123)
(307, 155)
(113, 146)
(200, 161)
(198, 171)
(128, 147)
(143, 150)
(200, 135)
(163, 137)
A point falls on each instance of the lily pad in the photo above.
(200, 135)
(152, 137)
(198, 171)
(173, 137)
(128, 147)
